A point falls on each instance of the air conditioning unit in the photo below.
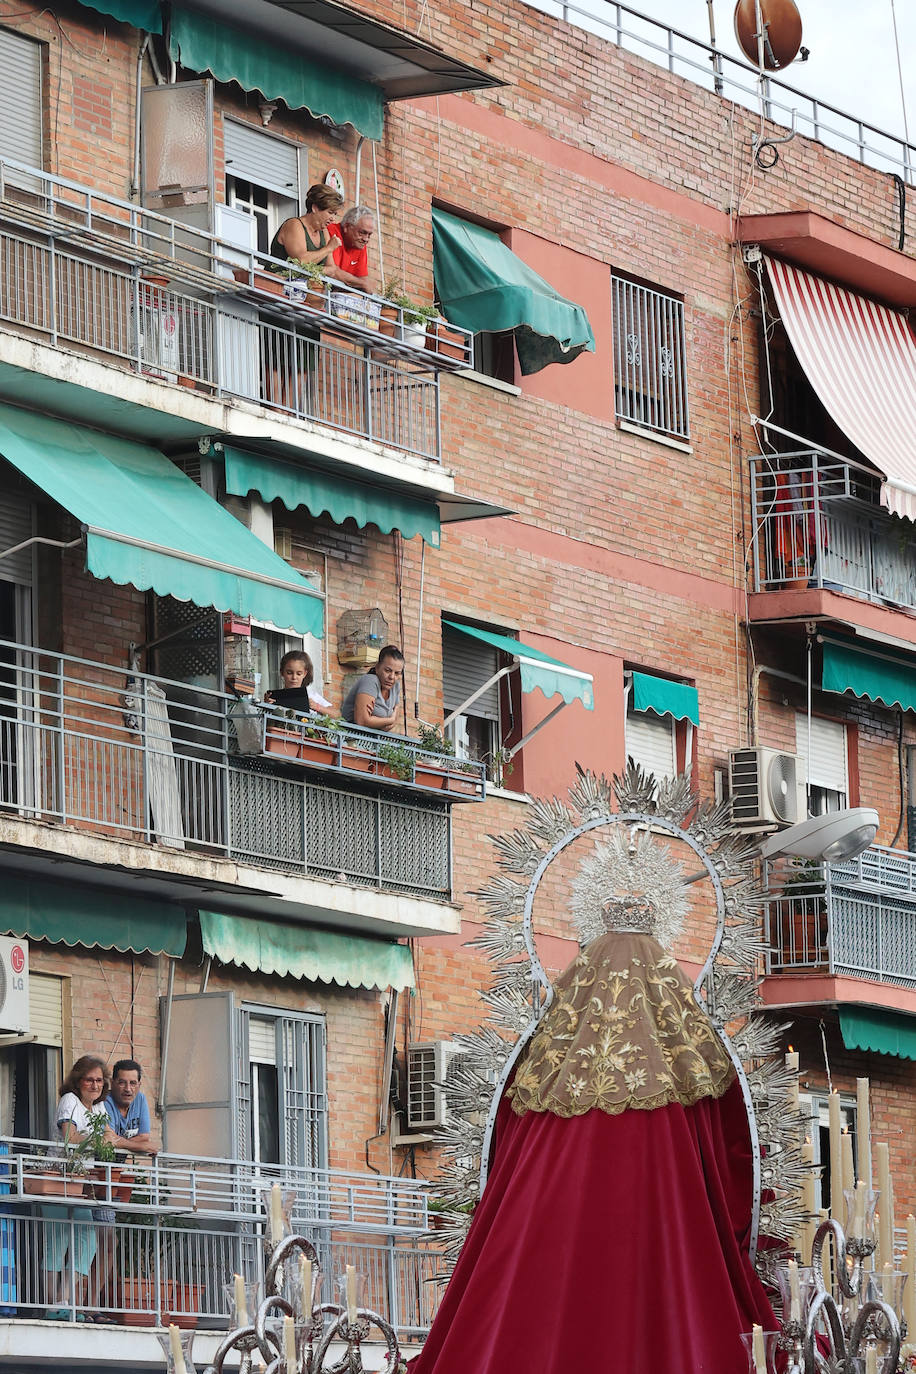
(427, 1065)
(767, 788)
(14, 986)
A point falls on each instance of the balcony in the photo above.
(819, 528)
(136, 758)
(94, 275)
(184, 1226)
(854, 920)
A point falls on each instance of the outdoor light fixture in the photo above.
(829, 839)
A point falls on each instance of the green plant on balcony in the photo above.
(500, 765)
(398, 758)
(412, 312)
(434, 741)
(803, 913)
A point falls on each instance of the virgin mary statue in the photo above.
(612, 1234)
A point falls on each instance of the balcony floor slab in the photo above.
(814, 603)
(42, 848)
(783, 991)
(61, 382)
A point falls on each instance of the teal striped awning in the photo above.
(149, 525)
(869, 672)
(142, 14)
(538, 671)
(321, 493)
(880, 1032)
(287, 74)
(88, 916)
(666, 698)
(318, 956)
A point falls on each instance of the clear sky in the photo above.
(853, 63)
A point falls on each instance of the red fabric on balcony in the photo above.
(860, 357)
(607, 1243)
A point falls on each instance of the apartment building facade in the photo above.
(664, 533)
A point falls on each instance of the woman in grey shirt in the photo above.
(373, 700)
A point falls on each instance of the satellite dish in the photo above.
(782, 31)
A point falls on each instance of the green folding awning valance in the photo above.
(482, 285)
(871, 674)
(538, 671)
(143, 14)
(665, 698)
(324, 494)
(881, 1032)
(319, 956)
(286, 74)
(87, 916)
(149, 525)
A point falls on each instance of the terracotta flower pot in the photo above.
(286, 742)
(441, 338)
(54, 1185)
(388, 320)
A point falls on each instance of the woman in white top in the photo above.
(82, 1096)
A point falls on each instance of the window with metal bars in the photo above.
(281, 1093)
(650, 372)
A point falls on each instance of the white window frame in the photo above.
(276, 206)
(815, 1107)
(650, 359)
(307, 1136)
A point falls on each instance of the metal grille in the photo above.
(650, 379)
(818, 523)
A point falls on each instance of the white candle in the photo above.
(276, 1215)
(176, 1351)
(849, 1181)
(351, 1294)
(858, 1216)
(305, 1278)
(910, 1303)
(863, 1130)
(794, 1294)
(759, 1352)
(808, 1203)
(836, 1158)
(792, 1066)
(871, 1360)
(885, 1233)
(241, 1306)
(289, 1344)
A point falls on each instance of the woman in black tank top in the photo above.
(305, 237)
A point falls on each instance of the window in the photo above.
(651, 742)
(268, 645)
(661, 714)
(650, 381)
(817, 1107)
(281, 1090)
(20, 98)
(262, 176)
(477, 732)
(826, 770)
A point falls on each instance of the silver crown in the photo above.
(630, 913)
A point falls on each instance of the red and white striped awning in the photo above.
(860, 358)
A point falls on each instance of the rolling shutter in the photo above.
(258, 157)
(17, 523)
(650, 741)
(46, 1008)
(20, 98)
(466, 663)
(262, 1040)
(827, 765)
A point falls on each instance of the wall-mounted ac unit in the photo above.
(767, 788)
(14, 986)
(427, 1064)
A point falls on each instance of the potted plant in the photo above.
(179, 1295)
(61, 1176)
(414, 317)
(803, 915)
(442, 338)
(396, 760)
(106, 1174)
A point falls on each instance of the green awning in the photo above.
(88, 916)
(321, 493)
(319, 956)
(149, 525)
(143, 14)
(538, 671)
(665, 698)
(482, 285)
(258, 64)
(882, 1032)
(868, 673)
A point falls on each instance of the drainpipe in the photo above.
(911, 798)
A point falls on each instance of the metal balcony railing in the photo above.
(183, 1227)
(86, 271)
(817, 523)
(129, 755)
(705, 65)
(856, 918)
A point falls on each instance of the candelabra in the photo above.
(295, 1337)
(839, 1317)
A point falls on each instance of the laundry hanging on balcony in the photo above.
(482, 285)
(860, 358)
(146, 523)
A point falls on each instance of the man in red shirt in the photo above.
(350, 262)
